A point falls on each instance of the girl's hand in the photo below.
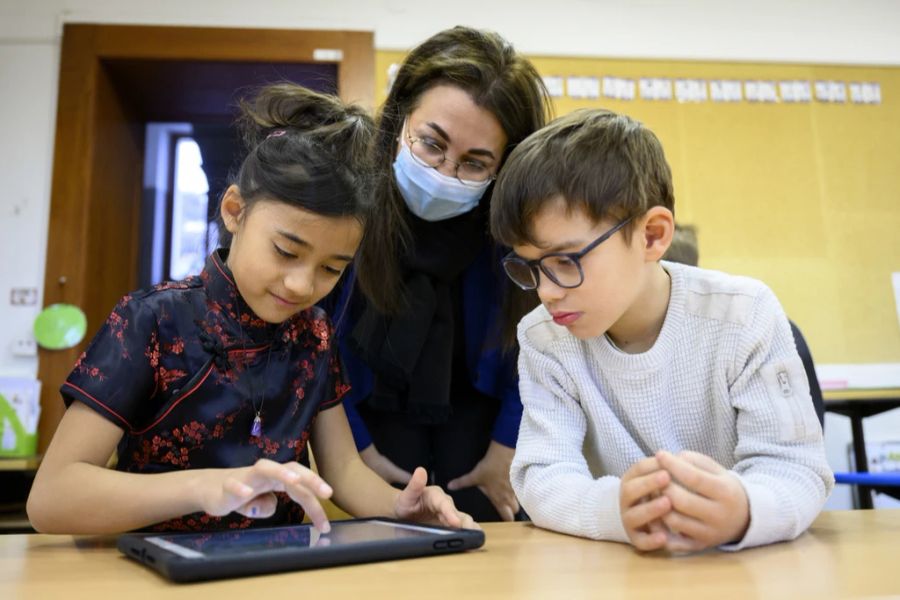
(491, 475)
(709, 504)
(642, 505)
(418, 502)
(250, 490)
(383, 466)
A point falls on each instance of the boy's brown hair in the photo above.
(608, 165)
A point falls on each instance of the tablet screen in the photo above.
(225, 543)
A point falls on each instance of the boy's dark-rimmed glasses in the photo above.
(562, 268)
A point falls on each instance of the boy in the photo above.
(664, 405)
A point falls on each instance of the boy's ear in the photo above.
(658, 229)
(232, 208)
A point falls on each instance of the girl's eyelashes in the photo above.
(328, 269)
(331, 271)
(283, 253)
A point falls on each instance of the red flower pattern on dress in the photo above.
(167, 377)
(152, 351)
(322, 331)
(92, 372)
(184, 284)
(175, 347)
(268, 446)
(117, 326)
(208, 424)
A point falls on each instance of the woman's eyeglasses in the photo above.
(428, 154)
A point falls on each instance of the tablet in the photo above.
(214, 555)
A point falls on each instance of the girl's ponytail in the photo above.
(342, 128)
(307, 149)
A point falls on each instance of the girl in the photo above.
(209, 388)
(431, 377)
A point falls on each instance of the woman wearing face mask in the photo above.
(430, 360)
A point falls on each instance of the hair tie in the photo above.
(277, 133)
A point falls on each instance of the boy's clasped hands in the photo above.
(682, 503)
(250, 491)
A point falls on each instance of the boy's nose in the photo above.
(548, 291)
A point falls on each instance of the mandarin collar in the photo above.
(223, 294)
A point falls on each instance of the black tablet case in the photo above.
(253, 562)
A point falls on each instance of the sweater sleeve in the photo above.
(780, 456)
(549, 472)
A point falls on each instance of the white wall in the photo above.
(28, 75)
(830, 31)
(819, 31)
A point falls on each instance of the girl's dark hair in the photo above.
(306, 149)
(498, 79)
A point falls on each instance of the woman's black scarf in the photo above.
(411, 353)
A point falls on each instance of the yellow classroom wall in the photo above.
(801, 196)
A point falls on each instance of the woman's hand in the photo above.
(491, 475)
(250, 490)
(382, 465)
(418, 502)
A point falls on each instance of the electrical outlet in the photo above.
(23, 296)
(24, 347)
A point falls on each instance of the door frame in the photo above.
(93, 234)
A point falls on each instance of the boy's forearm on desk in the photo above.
(784, 500)
(570, 501)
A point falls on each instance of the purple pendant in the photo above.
(256, 428)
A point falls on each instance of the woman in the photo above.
(433, 382)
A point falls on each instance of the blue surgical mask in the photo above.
(431, 195)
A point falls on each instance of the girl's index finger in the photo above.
(310, 479)
(443, 507)
(269, 475)
(279, 477)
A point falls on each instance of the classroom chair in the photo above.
(885, 483)
(876, 480)
(815, 391)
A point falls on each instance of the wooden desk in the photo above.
(857, 405)
(28, 463)
(845, 553)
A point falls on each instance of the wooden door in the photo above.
(92, 248)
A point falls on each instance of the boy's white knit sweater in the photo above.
(723, 378)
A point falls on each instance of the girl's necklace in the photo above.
(256, 427)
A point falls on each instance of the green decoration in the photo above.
(60, 326)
